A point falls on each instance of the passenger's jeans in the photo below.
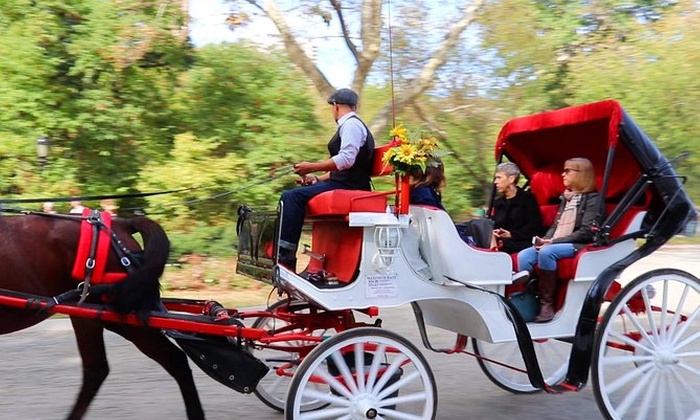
(546, 257)
(294, 210)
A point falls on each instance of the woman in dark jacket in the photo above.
(515, 213)
(426, 186)
(571, 231)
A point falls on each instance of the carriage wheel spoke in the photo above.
(630, 341)
(325, 397)
(334, 383)
(360, 366)
(630, 376)
(695, 371)
(687, 341)
(664, 312)
(687, 324)
(344, 370)
(646, 399)
(402, 399)
(692, 392)
(638, 387)
(389, 373)
(650, 315)
(622, 360)
(404, 381)
(637, 325)
(379, 355)
(677, 312)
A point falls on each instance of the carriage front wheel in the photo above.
(284, 357)
(646, 359)
(367, 373)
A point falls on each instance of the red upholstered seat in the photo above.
(342, 202)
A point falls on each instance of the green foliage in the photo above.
(203, 238)
(96, 78)
(252, 119)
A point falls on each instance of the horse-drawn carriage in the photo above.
(641, 340)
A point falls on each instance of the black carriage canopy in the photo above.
(626, 162)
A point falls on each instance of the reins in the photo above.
(278, 174)
(283, 172)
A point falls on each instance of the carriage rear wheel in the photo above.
(272, 389)
(552, 355)
(646, 359)
(367, 373)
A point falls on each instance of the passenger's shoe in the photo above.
(521, 277)
(547, 285)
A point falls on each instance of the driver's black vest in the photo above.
(356, 177)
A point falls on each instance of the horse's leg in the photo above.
(155, 345)
(91, 345)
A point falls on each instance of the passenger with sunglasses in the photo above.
(571, 231)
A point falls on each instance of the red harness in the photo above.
(91, 268)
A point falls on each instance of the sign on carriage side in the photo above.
(381, 285)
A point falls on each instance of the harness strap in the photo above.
(95, 221)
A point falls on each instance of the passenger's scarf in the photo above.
(567, 220)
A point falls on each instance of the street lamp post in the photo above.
(42, 150)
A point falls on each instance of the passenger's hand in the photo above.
(540, 242)
(303, 168)
(502, 233)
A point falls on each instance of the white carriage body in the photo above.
(430, 237)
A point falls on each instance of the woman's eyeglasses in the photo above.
(568, 170)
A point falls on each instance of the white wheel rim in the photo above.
(658, 375)
(395, 385)
(552, 356)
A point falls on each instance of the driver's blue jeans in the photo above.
(546, 257)
(294, 210)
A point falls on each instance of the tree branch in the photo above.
(371, 34)
(424, 80)
(296, 53)
(344, 27)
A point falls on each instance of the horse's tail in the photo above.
(140, 291)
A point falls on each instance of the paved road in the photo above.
(40, 375)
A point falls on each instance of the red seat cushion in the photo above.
(342, 202)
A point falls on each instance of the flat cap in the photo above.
(343, 96)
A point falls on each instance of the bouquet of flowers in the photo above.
(411, 152)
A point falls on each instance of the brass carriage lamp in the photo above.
(42, 150)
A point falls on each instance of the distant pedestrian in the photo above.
(76, 207)
(48, 207)
(110, 206)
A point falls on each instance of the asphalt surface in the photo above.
(40, 375)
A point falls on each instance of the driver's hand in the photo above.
(303, 168)
(308, 180)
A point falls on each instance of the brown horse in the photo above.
(37, 253)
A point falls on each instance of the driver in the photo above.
(349, 167)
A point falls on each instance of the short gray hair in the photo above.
(510, 169)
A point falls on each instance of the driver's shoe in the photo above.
(288, 258)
